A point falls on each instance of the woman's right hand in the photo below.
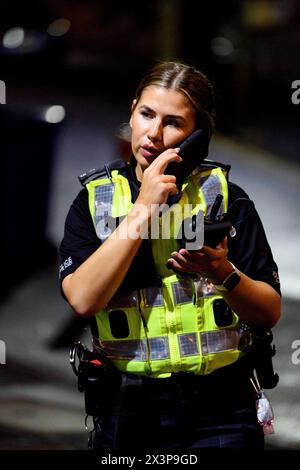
(156, 186)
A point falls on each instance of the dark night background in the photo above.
(70, 69)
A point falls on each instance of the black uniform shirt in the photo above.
(248, 250)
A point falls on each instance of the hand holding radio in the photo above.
(193, 259)
(156, 184)
(214, 230)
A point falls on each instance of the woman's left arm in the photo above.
(256, 302)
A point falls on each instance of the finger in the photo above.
(196, 256)
(214, 253)
(171, 188)
(193, 261)
(177, 256)
(162, 161)
(187, 268)
(200, 261)
(168, 178)
(224, 243)
(173, 264)
(184, 262)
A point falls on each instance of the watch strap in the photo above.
(230, 281)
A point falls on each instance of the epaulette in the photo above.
(104, 172)
(213, 164)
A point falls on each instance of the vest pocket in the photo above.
(222, 313)
(118, 324)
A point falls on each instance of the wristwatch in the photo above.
(230, 281)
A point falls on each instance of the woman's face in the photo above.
(161, 119)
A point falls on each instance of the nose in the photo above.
(155, 132)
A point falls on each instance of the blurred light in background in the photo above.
(18, 41)
(222, 47)
(55, 114)
(59, 27)
(13, 38)
(261, 14)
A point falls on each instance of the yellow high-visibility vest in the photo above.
(173, 327)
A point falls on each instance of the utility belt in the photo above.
(104, 385)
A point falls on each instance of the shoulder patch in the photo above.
(104, 172)
(90, 175)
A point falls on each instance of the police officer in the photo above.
(176, 323)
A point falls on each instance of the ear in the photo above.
(133, 105)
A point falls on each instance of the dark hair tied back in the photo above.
(189, 81)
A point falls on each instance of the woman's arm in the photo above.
(256, 298)
(95, 281)
(256, 302)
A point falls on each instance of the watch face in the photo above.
(232, 281)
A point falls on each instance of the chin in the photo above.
(142, 161)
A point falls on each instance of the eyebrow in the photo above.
(168, 116)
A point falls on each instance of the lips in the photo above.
(149, 152)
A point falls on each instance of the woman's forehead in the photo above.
(159, 96)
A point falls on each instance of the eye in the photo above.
(146, 114)
(173, 122)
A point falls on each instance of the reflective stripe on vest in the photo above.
(174, 327)
(211, 342)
